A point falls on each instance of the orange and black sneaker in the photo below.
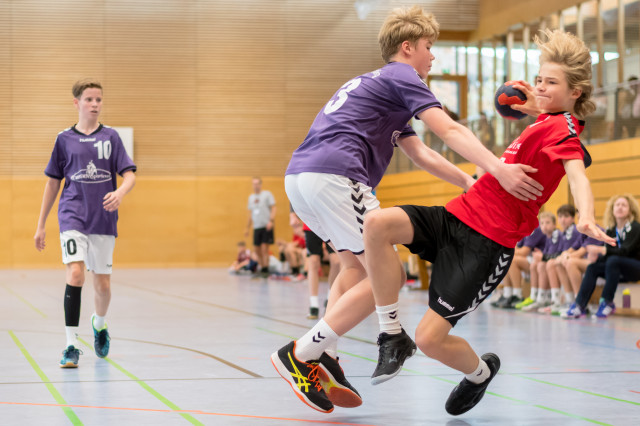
(303, 378)
(335, 384)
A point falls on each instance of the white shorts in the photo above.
(96, 251)
(333, 206)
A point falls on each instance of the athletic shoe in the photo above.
(100, 340)
(604, 309)
(497, 302)
(303, 378)
(535, 306)
(525, 302)
(510, 302)
(338, 389)
(394, 350)
(548, 309)
(70, 357)
(574, 311)
(467, 394)
(313, 313)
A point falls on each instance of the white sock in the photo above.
(98, 322)
(315, 341)
(555, 295)
(481, 373)
(534, 293)
(313, 301)
(517, 292)
(507, 292)
(389, 319)
(332, 350)
(569, 297)
(543, 295)
(72, 336)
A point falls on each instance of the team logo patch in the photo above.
(91, 174)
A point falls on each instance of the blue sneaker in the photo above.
(70, 357)
(604, 309)
(574, 311)
(100, 340)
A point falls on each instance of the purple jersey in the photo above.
(88, 164)
(552, 245)
(536, 240)
(355, 133)
(571, 239)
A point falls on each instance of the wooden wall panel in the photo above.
(176, 221)
(5, 89)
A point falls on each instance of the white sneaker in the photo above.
(534, 306)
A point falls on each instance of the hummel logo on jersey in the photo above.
(320, 336)
(445, 304)
(87, 139)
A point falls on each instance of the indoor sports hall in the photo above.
(209, 96)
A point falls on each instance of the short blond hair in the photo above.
(573, 56)
(406, 24)
(547, 215)
(81, 85)
(634, 211)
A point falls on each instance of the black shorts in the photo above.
(467, 266)
(314, 243)
(262, 236)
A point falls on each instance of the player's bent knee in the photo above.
(374, 225)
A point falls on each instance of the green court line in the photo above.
(575, 389)
(572, 415)
(52, 390)
(148, 388)
(25, 301)
(519, 401)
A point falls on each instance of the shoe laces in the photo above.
(103, 337)
(67, 351)
(314, 376)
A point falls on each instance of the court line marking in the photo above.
(576, 389)
(206, 413)
(148, 388)
(52, 390)
(25, 301)
(487, 392)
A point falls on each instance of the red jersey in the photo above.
(492, 211)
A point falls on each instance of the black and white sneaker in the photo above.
(394, 350)
(303, 378)
(467, 394)
(335, 384)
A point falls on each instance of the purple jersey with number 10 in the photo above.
(88, 164)
(356, 131)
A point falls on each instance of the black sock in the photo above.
(295, 270)
(72, 299)
(265, 269)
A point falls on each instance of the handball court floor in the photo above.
(193, 346)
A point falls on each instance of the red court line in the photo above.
(633, 391)
(206, 413)
(638, 344)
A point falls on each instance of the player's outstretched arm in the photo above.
(581, 190)
(434, 163)
(512, 177)
(51, 189)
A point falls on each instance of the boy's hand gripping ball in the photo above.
(507, 95)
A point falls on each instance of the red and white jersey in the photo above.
(492, 211)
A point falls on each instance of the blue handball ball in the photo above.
(507, 95)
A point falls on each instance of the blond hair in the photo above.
(406, 24)
(81, 85)
(634, 210)
(573, 56)
(547, 215)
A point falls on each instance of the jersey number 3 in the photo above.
(334, 105)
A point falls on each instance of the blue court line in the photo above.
(575, 416)
(52, 390)
(148, 388)
(25, 301)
